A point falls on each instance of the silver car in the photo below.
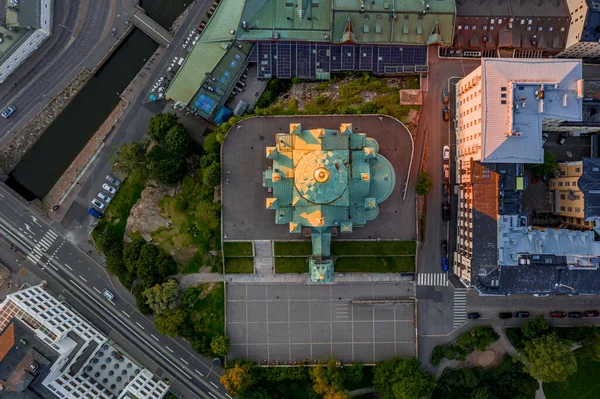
(108, 188)
(113, 180)
(104, 197)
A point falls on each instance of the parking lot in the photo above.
(296, 322)
(245, 216)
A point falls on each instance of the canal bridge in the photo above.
(151, 28)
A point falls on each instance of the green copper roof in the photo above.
(326, 179)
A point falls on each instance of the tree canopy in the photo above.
(239, 378)
(176, 140)
(159, 125)
(402, 379)
(211, 175)
(549, 165)
(164, 166)
(328, 381)
(162, 297)
(219, 345)
(548, 358)
(130, 158)
(424, 183)
(170, 323)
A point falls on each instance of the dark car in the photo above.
(562, 138)
(444, 264)
(473, 315)
(95, 213)
(575, 315)
(445, 188)
(444, 247)
(445, 212)
(557, 314)
(521, 315)
(591, 313)
(445, 113)
(505, 315)
(445, 97)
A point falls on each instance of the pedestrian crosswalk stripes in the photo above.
(460, 307)
(37, 253)
(433, 279)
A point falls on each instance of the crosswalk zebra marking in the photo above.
(42, 246)
(433, 279)
(460, 307)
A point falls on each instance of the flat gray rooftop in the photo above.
(295, 322)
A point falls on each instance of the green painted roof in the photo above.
(208, 51)
(321, 270)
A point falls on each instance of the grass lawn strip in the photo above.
(208, 313)
(118, 210)
(292, 248)
(291, 265)
(239, 265)
(584, 384)
(237, 249)
(348, 248)
(383, 264)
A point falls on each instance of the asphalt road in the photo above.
(45, 249)
(79, 27)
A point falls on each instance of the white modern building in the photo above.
(27, 24)
(85, 365)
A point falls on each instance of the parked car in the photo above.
(446, 174)
(521, 315)
(541, 295)
(108, 188)
(444, 264)
(446, 153)
(8, 111)
(97, 203)
(444, 247)
(575, 315)
(557, 314)
(445, 212)
(445, 97)
(108, 295)
(113, 180)
(591, 313)
(544, 137)
(445, 188)
(445, 113)
(95, 213)
(505, 315)
(563, 138)
(104, 197)
(473, 315)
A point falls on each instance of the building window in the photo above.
(570, 209)
(491, 28)
(459, 27)
(503, 88)
(577, 209)
(492, 21)
(484, 27)
(567, 184)
(503, 95)
(529, 21)
(577, 196)
(550, 29)
(499, 20)
(473, 27)
(562, 196)
(562, 208)
(559, 184)
(574, 183)
(577, 169)
(528, 28)
(571, 220)
(522, 21)
(562, 29)
(466, 27)
(502, 101)
(539, 28)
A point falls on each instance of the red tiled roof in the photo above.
(7, 340)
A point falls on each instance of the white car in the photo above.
(446, 153)
(97, 203)
(104, 197)
(113, 180)
(108, 295)
(108, 188)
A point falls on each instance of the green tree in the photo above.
(593, 348)
(146, 266)
(159, 125)
(200, 344)
(211, 144)
(328, 381)
(162, 298)
(239, 378)
(549, 165)
(219, 345)
(402, 379)
(165, 265)
(211, 176)
(424, 183)
(189, 297)
(170, 323)
(130, 158)
(535, 328)
(164, 166)
(354, 373)
(131, 253)
(140, 300)
(177, 139)
(478, 338)
(547, 358)
(209, 159)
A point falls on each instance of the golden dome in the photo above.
(321, 175)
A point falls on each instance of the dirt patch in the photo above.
(412, 121)
(411, 97)
(145, 215)
(24, 139)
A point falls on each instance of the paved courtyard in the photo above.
(293, 322)
(245, 216)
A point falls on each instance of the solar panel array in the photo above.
(308, 60)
